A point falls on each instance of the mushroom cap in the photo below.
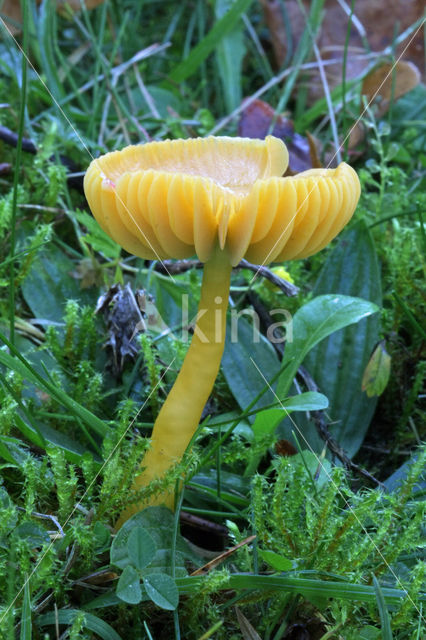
(177, 198)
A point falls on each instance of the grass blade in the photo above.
(26, 633)
(383, 612)
(21, 366)
(307, 587)
(91, 622)
(200, 52)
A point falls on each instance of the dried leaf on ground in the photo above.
(390, 81)
(383, 85)
(259, 119)
(10, 11)
(373, 25)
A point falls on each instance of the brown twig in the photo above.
(201, 523)
(181, 266)
(324, 433)
(222, 557)
(11, 138)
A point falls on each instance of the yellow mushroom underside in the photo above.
(179, 198)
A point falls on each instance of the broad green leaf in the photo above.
(233, 487)
(200, 52)
(224, 420)
(101, 535)
(108, 599)
(337, 363)
(247, 629)
(12, 451)
(229, 56)
(129, 587)
(44, 434)
(163, 100)
(162, 590)
(369, 633)
(412, 471)
(141, 548)
(277, 562)
(377, 372)
(33, 534)
(173, 300)
(159, 523)
(410, 107)
(96, 236)
(309, 401)
(267, 420)
(244, 347)
(91, 622)
(50, 284)
(17, 362)
(315, 321)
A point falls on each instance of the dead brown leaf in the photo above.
(374, 24)
(384, 84)
(10, 11)
(256, 121)
(390, 81)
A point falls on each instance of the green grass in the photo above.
(332, 548)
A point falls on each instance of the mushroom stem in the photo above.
(180, 414)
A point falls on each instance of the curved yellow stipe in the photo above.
(180, 414)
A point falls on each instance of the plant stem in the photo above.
(180, 415)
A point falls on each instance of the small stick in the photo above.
(181, 266)
(9, 137)
(221, 557)
(47, 516)
(201, 523)
(335, 448)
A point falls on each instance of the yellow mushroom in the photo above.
(222, 199)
